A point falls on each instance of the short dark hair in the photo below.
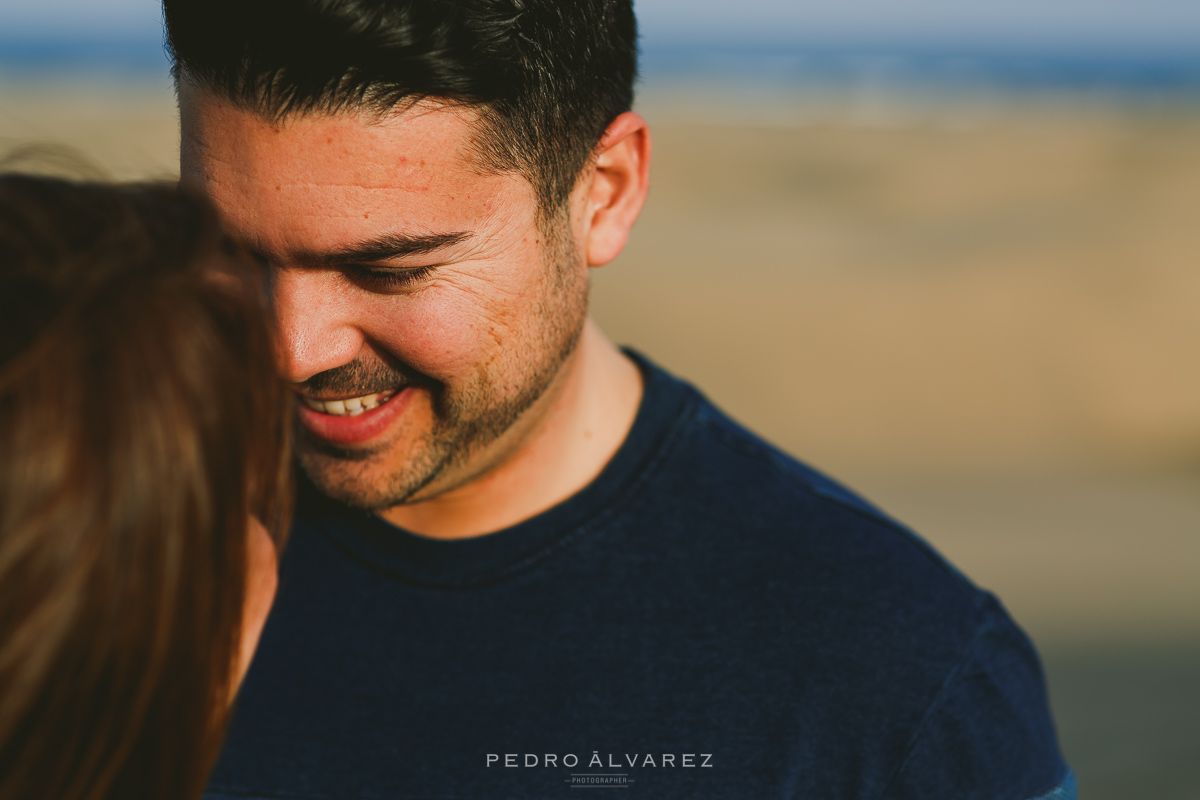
(141, 423)
(548, 75)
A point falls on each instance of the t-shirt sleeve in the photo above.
(989, 734)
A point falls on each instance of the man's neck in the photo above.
(585, 424)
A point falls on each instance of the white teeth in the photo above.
(348, 407)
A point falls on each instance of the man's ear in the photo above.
(620, 182)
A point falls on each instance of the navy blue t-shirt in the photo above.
(708, 619)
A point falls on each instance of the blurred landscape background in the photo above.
(946, 252)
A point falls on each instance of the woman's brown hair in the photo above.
(140, 426)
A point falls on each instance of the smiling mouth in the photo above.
(348, 406)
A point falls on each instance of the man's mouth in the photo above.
(353, 421)
(348, 406)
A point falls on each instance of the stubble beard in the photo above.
(468, 420)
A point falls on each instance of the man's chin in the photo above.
(314, 450)
(367, 479)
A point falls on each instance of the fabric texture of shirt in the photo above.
(709, 618)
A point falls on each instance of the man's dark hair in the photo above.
(548, 75)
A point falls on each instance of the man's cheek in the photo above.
(441, 339)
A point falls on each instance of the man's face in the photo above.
(424, 314)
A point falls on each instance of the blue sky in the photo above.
(1040, 24)
(1125, 44)
(1143, 25)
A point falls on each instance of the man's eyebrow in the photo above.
(393, 245)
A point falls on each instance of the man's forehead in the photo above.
(358, 143)
(318, 181)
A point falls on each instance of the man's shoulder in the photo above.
(910, 648)
(727, 478)
(797, 552)
(771, 479)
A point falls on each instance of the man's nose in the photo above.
(316, 323)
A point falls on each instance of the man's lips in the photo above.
(348, 406)
(355, 420)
